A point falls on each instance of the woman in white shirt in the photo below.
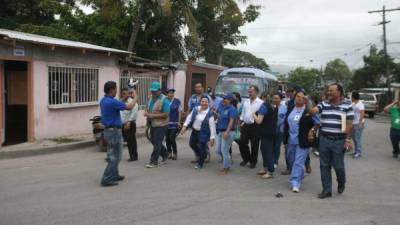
(358, 123)
(202, 122)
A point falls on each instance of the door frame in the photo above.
(30, 92)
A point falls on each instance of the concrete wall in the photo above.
(179, 78)
(60, 122)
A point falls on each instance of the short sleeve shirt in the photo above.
(225, 114)
(110, 111)
(293, 121)
(358, 107)
(395, 117)
(331, 116)
(165, 104)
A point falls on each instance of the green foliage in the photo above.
(372, 74)
(237, 58)
(305, 78)
(218, 25)
(211, 24)
(337, 71)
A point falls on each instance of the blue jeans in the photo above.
(199, 148)
(114, 154)
(395, 139)
(157, 138)
(277, 146)
(357, 138)
(267, 152)
(297, 174)
(331, 154)
(223, 147)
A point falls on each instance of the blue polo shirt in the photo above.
(194, 101)
(174, 110)
(165, 104)
(110, 111)
(263, 110)
(225, 114)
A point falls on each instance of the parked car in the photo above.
(371, 103)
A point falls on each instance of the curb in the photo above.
(58, 148)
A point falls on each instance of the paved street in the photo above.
(64, 189)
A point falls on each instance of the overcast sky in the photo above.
(293, 32)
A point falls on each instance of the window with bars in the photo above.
(145, 79)
(69, 86)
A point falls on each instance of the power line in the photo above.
(383, 23)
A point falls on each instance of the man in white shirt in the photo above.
(249, 129)
(128, 118)
(358, 123)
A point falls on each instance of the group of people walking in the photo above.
(260, 122)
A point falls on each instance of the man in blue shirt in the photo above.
(111, 119)
(157, 113)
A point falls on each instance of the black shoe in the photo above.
(252, 165)
(132, 160)
(243, 163)
(395, 156)
(340, 188)
(323, 195)
(113, 183)
(119, 178)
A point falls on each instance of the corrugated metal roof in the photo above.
(39, 39)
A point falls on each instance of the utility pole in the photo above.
(383, 23)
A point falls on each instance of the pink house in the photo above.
(51, 87)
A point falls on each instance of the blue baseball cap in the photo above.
(229, 96)
(170, 90)
(155, 86)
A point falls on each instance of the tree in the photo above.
(237, 58)
(337, 71)
(218, 25)
(305, 78)
(372, 73)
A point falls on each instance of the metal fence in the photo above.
(143, 87)
(69, 85)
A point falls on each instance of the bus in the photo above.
(240, 79)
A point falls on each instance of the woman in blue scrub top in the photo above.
(298, 127)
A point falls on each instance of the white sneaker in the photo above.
(296, 189)
(151, 165)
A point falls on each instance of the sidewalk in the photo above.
(48, 146)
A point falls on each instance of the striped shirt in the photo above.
(331, 116)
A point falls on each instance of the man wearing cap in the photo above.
(157, 112)
(128, 118)
(111, 119)
(175, 115)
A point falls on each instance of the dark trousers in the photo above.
(267, 152)
(130, 138)
(171, 141)
(157, 138)
(395, 139)
(277, 146)
(249, 132)
(199, 148)
(331, 154)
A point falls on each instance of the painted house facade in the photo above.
(51, 87)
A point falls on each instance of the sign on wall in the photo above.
(19, 50)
